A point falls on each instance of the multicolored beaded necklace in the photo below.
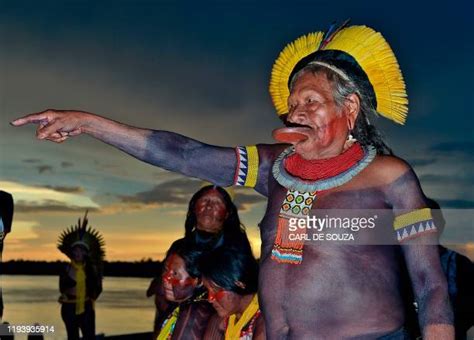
(303, 180)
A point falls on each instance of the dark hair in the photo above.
(233, 230)
(365, 132)
(189, 253)
(226, 265)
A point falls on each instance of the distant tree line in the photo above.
(143, 268)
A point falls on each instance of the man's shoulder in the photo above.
(389, 168)
(271, 151)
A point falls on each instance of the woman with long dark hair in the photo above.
(212, 220)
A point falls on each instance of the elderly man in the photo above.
(324, 86)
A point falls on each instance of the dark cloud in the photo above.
(66, 164)
(177, 191)
(458, 148)
(32, 160)
(180, 191)
(49, 206)
(446, 180)
(226, 97)
(69, 190)
(456, 203)
(421, 162)
(44, 168)
(103, 166)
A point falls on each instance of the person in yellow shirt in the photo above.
(80, 283)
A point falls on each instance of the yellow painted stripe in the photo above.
(411, 218)
(252, 171)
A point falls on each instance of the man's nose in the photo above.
(297, 114)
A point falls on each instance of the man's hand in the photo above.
(56, 125)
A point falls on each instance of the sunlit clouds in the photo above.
(44, 199)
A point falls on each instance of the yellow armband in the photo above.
(413, 224)
(247, 166)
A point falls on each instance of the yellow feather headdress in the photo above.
(358, 52)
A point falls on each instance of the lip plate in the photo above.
(291, 135)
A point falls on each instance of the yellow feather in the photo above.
(376, 58)
(285, 63)
(372, 53)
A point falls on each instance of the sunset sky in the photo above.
(202, 69)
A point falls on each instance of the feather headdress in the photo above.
(85, 236)
(358, 52)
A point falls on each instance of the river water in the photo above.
(121, 308)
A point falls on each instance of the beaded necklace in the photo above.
(303, 180)
(326, 173)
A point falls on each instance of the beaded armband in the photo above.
(247, 166)
(413, 224)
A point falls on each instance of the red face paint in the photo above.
(211, 212)
(175, 272)
(178, 284)
(216, 295)
(168, 277)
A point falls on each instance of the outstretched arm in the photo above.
(167, 150)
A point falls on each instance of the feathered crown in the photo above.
(356, 52)
(84, 236)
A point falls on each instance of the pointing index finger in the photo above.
(34, 118)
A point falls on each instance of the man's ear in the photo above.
(351, 108)
(240, 284)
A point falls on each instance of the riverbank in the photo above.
(145, 268)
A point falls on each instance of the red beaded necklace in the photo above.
(317, 169)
